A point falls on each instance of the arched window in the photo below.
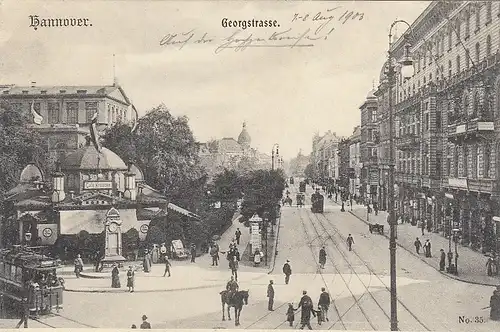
(478, 17)
(467, 23)
(450, 35)
(478, 49)
(476, 105)
(488, 46)
(467, 59)
(458, 26)
(458, 63)
(488, 12)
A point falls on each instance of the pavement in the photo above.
(471, 264)
(184, 274)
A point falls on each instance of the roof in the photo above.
(229, 145)
(30, 173)
(88, 158)
(146, 194)
(56, 90)
(139, 176)
(244, 137)
(183, 211)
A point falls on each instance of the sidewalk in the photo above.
(471, 264)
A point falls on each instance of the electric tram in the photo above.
(302, 187)
(317, 202)
(28, 281)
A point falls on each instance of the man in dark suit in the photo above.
(270, 295)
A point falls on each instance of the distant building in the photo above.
(298, 164)
(368, 146)
(324, 156)
(355, 161)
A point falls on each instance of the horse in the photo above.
(237, 301)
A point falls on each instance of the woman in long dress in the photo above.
(146, 263)
(130, 279)
(115, 277)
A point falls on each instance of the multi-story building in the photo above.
(325, 156)
(445, 122)
(355, 162)
(368, 147)
(344, 161)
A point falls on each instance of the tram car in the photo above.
(302, 187)
(291, 180)
(301, 199)
(317, 201)
(29, 282)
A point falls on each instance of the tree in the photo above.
(120, 139)
(309, 171)
(227, 186)
(20, 146)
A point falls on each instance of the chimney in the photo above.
(130, 187)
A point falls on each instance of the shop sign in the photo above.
(485, 126)
(97, 185)
(458, 183)
(460, 129)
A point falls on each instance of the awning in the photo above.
(92, 221)
(183, 211)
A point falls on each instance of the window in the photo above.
(476, 105)
(455, 162)
(72, 112)
(458, 26)
(475, 161)
(488, 46)
(426, 121)
(467, 59)
(449, 69)
(430, 53)
(109, 114)
(438, 119)
(488, 12)
(486, 161)
(430, 77)
(418, 63)
(478, 18)
(467, 23)
(478, 49)
(449, 37)
(438, 47)
(466, 108)
(90, 110)
(53, 112)
(465, 156)
(458, 63)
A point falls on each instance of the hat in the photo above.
(144, 317)
(288, 261)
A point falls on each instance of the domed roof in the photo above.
(88, 158)
(31, 173)
(244, 138)
(139, 176)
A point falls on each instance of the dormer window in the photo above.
(81, 91)
(43, 92)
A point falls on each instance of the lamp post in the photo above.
(274, 155)
(407, 71)
(456, 232)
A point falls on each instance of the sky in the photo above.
(285, 94)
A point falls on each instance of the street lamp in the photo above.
(456, 232)
(274, 151)
(407, 71)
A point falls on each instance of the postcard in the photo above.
(250, 165)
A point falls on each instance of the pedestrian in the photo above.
(115, 277)
(167, 266)
(495, 305)
(350, 242)
(78, 265)
(319, 315)
(324, 303)
(307, 309)
(422, 226)
(214, 253)
(97, 261)
(130, 279)
(375, 208)
(322, 257)
(427, 248)
(270, 296)
(145, 324)
(287, 270)
(193, 253)
(290, 314)
(491, 266)
(417, 245)
(442, 261)
(163, 251)
(236, 254)
(237, 234)
(146, 262)
(234, 268)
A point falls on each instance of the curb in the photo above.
(120, 290)
(273, 263)
(451, 276)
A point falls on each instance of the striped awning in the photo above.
(183, 211)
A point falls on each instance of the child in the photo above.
(319, 315)
(290, 314)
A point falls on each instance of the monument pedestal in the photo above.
(113, 247)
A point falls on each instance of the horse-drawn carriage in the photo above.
(317, 201)
(301, 199)
(302, 187)
(376, 228)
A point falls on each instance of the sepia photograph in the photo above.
(259, 165)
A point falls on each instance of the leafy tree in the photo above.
(121, 140)
(20, 146)
(155, 235)
(263, 191)
(309, 171)
(227, 186)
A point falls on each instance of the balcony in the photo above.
(472, 130)
(408, 142)
(483, 185)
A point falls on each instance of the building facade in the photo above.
(355, 162)
(446, 122)
(325, 156)
(368, 146)
(344, 165)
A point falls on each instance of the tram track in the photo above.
(42, 321)
(319, 218)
